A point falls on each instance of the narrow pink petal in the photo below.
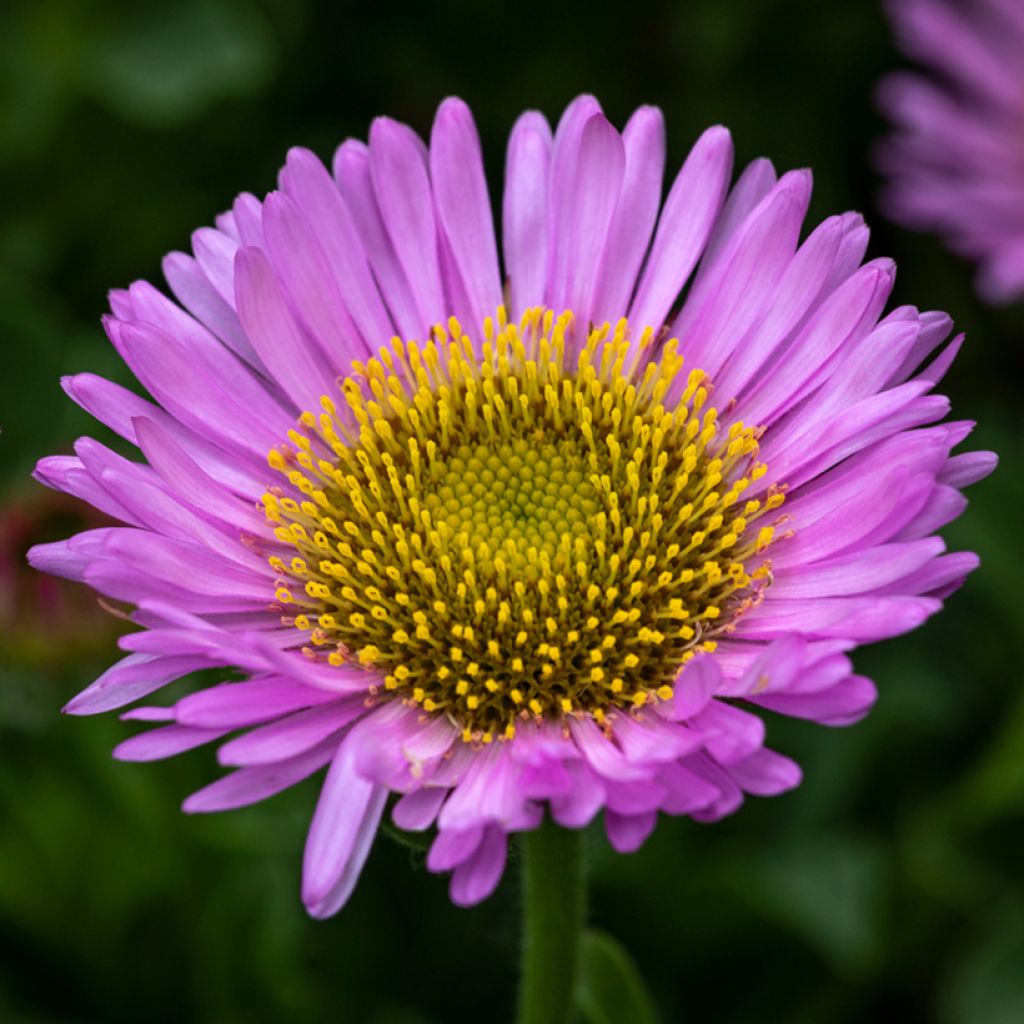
(402, 188)
(305, 179)
(192, 393)
(215, 253)
(68, 475)
(842, 320)
(564, 166)
(340, 835)
(729, 797)
(117, 408)
(248, 213)
(235, 705)
(766, 773)
(741, 286)
(855, 618)
(685, 792)
(247, 390)
(290, 736)
(584, 798)
(352, 172)
(799, 290)
(418, 810)
(193, 290)
(602, 754)
(301, 266)
(290, 356)
(464, 207)
(629, 234)
(695, 685)
(131, 679)
(856, 572)
(166, 742)
(525, 212)
(776, 666)
(730, 733)
(967, 469)
(843, 704)
(188, 480)
(250, 785)
(685, 224)
(477, 877)
(601, 163)
(627, 833)
(756, 180)
(453, 846)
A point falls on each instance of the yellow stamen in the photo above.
(505, 529)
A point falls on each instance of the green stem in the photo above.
(554, 898)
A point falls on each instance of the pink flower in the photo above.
(533, 558)
(955, 160)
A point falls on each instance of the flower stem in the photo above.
(554, 899)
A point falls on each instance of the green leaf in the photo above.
(611, 990)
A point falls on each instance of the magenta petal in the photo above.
(686, 221)
(525, 212)
(477, 877)
(602, 754)
(858, 571)
(463, 206)
(740, 287)
(635, 213)
(756, 180)
(250, 785)
(166, 742)
(340, 835)
(352, 171)
(131, 679)
(628, 833)
(186, 478)
(600, 166)
(286, 351)
(301, 266)
(305, 179)
(843, 704)
(60, 558)
(730, 734)
(453, 846)
(578, 805)
(418, 810)
(967, 469)
(766, 773)
(236, 705)
(402, 188)
(695, 685)
(564, 168)
(292, 735)
(193, 290)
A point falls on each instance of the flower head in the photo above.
(504, 552)
(955, 161)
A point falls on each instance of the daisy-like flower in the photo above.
(955, 160)
(522, 538)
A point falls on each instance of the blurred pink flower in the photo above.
(955, 158)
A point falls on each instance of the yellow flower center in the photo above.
(506, 531)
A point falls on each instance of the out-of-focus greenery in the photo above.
(889, 885)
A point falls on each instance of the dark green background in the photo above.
(889, 885)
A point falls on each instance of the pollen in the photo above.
(540, 524)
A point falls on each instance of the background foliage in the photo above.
(890, 883)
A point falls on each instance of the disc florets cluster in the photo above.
(531, 527)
